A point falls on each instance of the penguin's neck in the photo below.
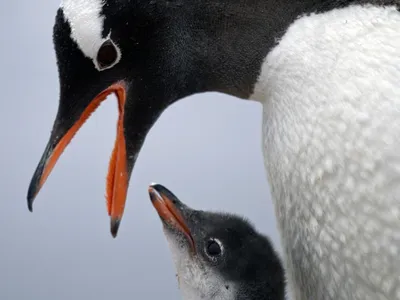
(222, 44)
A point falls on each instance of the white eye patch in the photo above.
(86, 22)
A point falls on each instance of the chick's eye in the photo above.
(107, 54)
(213, 248)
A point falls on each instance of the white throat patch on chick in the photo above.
(197, 280)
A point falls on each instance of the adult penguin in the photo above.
(327, 73)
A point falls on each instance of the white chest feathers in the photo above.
(197, 280)
(331, 96)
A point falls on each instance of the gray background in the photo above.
(205, 148)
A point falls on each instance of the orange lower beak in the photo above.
(117, 178)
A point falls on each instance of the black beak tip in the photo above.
(159, 188)
(114, 226)
(153, 191)
(30, 208)
(155, 186)
(31, 195)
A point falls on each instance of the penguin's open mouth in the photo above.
(164, 201)
(117, 178)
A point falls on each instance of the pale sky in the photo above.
(205, 148)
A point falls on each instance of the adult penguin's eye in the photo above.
(107, 56)
(213, 248)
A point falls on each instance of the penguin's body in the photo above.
(218, 256)
(327, 74)
(330, 151)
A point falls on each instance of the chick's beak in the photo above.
(62, 134)
(166, 205)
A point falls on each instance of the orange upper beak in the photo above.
(117, 178)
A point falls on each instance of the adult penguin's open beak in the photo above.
(143, 93)
(69, 120)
